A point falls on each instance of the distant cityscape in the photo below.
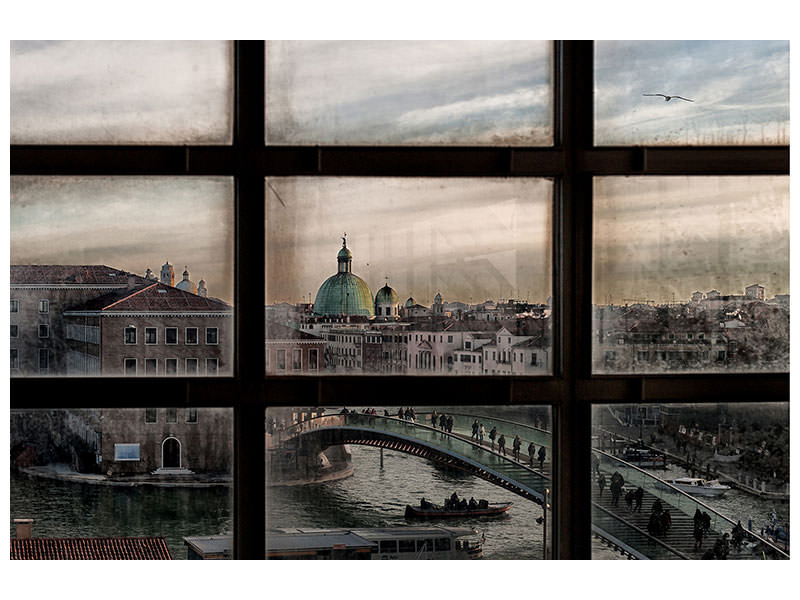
(347, 330)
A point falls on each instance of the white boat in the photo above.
(699, 487)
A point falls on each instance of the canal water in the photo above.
(372, 497)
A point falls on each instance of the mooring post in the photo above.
(381, 458)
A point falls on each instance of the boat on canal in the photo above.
(483, 508)
(644, 458)
(699, 487)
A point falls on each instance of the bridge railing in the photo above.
(675, 498)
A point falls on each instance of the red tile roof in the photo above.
(152, 297)
(127, 548)
(69, 274)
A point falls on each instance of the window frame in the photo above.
(570, 391)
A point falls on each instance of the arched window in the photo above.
(171, 453)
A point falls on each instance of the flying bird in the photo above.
(668, 98)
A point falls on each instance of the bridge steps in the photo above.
(680, 535)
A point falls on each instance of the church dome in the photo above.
(410, 302)
(186, 284)
(344, 293)
(386, 295)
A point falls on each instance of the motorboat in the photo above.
(699, 487)
(483, 509)
(644, 458)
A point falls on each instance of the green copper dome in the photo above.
(344, 293)
(386, 295)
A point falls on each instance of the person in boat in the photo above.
(425, 504)
(542, 455)
(454, 499)
(532, 453)
(492, 435)
(462, 505)
(472, 504)
(501, 444)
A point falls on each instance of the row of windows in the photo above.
(44, 306)
(43, 330)
(169, 367)
(297, 359)
(44, 359)
(170, 415)
(190, 336)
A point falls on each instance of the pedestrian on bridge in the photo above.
(481, 434)
(492, 435)
(517, 444)
(442, 422)
(595, 465)
(475, 427)
(531, 453)
(542, 455)
(434, 416)
(638, 496)
(501, 444)
(601, 483)
(449, 423)
(698, 529)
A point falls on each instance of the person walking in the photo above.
(517, 444)
(434, 417)
(601, 483)
(638, 496)
(542, 455)
(443, 422)
(475, 429)
(697, 529)
(450, 424)
(501, 444)
(531, 454)
(492, 435)
(481, 434)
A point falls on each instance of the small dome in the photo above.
(386, 295)
(186, 284)
(410, 302)
(344, 253)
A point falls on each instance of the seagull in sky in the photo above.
(668, 98)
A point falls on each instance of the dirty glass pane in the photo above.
(722, 92)
(691, 274)
(136, 275)
(82, 474)
(370, 475)
(415, 276)
(657, 468)
(409, 92)
(121, 92)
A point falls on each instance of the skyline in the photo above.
(130, 223)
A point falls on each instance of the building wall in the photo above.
(206, 446)
(115, 350)
(274, 347)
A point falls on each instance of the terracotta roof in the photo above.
(127, 548)
(69, 275)
(152, 297)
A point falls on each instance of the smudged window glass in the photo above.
(691, 274)
(692, 92)
(409, 92)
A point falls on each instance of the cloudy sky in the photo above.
(116, 91)
(420, 92)
(470, 239)
(130, 223)
(656, 238)
(740, 91)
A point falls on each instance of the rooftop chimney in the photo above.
(24, 527)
